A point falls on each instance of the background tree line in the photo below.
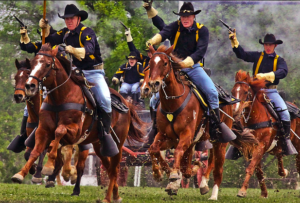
(252, 21)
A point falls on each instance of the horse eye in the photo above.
(48, 65)
(166, 64)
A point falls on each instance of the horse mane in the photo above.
(174, 57)
(254, 83)
(46, 47)
(23, 64)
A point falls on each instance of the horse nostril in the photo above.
(149, 83)
(27, 86)
(20, 96)
(157, 83)
(146, 90)
(32, 86)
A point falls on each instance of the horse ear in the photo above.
(17, 64)
(248, 77)
(170, 50)
(28, 63)
(54, 51)
(151, 49)
(236, 76)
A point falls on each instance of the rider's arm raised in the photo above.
(248, 56)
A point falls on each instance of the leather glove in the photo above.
(44, 25)
(24, 36)
(154, 40)
(141, 82)
(115, 81)
(187, 63)
(267, 76)
(148, 5)
(128, 35)
(151, 12)
(79, 53)
(232, 36)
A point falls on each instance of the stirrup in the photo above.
(288, 147)
(233, 153)
(108, 146)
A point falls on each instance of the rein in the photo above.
(164, 85)
(247, 99)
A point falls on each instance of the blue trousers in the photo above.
(204, 83)
(154, 100)
(279, 104)
(100, 88)
(127, 88)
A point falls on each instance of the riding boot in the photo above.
(233, 153)
(135, 99)
(108, 146)
(18, 144)
(286, 144)
(153, 130)
(219, 131)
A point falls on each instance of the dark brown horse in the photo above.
(252, 111)
(71, 126)
(179, 133)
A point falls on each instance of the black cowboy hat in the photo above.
(187, 9)
(71, 10)
(132, 55)
(270, 39)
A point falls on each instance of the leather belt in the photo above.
(98, 66)
(272, 87)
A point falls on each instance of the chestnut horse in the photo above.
(33, 104)
(71, 126)
(181, 134)
(251, 111)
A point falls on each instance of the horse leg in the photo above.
(186, 162)
(38, 149)
(66, 152)
(37, 178)
(260, 177)
(256, 158)
(204, 189)
(80, 168)
(26, 156)
(50, 165)
(58, 165)
(281, 170)
(219, 159)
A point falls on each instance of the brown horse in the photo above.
(252, 111)
(71, 126)
(33, 104)
(179, 133)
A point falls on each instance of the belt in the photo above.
(98, 66)
(272, 87)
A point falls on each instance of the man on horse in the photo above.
(133, 75)
(190, 41)
(269, 66)
(83, 45)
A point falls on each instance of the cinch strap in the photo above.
(199, 26)
(260, 60)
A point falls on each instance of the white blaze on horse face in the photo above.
(238, 96)
(194, 114)
(157, 59)
(214, 194)
(21, 74)
(35, 70)
(82, 118)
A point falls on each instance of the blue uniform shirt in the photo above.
(130, 75)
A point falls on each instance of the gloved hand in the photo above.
(24, 36)
(232, 36)
(128, 35)
(154, 40)
(44, 25)
(188, 62)
(79, 53)
(141, 82)
(266, 76)
(151, 12)
(115, 81)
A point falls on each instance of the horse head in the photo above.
(41, 67)
(160, 67)
(145, 88)
(21, 76)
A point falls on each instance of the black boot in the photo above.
(108, 145)
(124, 95)
(136, 100)
(286, 144)
(18, 144)
(153, 130)
(219, 132)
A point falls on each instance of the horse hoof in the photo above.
(105, 201)
(66, 177)
(286, 173)
(174, 176)
(36, 180)
(73, 179)
(242, 193)
(75, 194)
(17, 178)
(47, 171)
(213, 198)
(49, 184)
(119, 200)
(204, 190)
(32, 170)
(171, 192)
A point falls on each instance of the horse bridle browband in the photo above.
(168, 74)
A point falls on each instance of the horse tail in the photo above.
(245, 141)
(137, 129)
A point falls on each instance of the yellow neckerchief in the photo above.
(260, 60)
(199, 26)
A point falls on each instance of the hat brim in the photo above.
(131, 58)
(276, 42)
(187, 14)
(83, 14)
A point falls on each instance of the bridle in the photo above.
(48, 73)
(164, 85)
(249, 95)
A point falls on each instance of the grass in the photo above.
(38, 193)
